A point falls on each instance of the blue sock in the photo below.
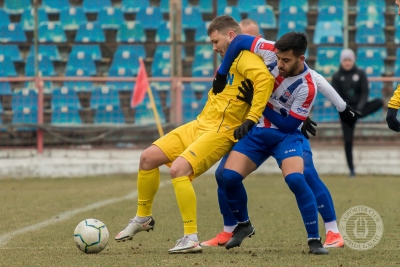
(236, 195)
(227, 215)
(321, 192)
(305, 201)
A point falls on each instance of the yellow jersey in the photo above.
(223, 112)
(395, 100)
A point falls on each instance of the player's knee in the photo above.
(146, 161)
(180, 169)
(294, 180)
(231, 177)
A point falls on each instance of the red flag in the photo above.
(142, 83)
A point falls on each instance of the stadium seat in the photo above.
(55, 6)
(16, 6)
(12, 51)
(288, 26)
(4, 18)
(51, 32)
(104, 96)
(72, 17)
(246, 6)
(144, 113)
(27, 19)
(397, 36)
(150, 17)
(120, 86)
(328, 3)
(47, 86)
(45, 66)
(324, 111)
(128, 61)
(110, 18)
(65, 115)
(206, 6)
(232, 11)
(378, 4)
(293, 14)
(164, 5)
(47, 50)
(191, 18)
(203, 66)
(373, 67)
(24, 99)
(25, 116)
(12, 33)
(161, 67)
(372, 52)
(163, 33)
(370, 33)
(64, 97)
(328, 60)
(370, 14)
(328, 32)
(131, 32)
(133, 6)
(265, 16)
(330, 14)
(133, 50)
(93, 50)
(90, 6)
(90, 32)
(81, 62)
(5, 88)
(109, 114)
(79, 86)
(7, 68)
(375, 90)
(294, 5)
(201, 33)
(192, 105)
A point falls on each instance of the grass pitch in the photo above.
(280, 238)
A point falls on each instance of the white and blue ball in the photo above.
(91, 236)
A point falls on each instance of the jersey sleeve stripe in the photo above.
(311, 91)
(253, 45)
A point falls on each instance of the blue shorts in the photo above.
(306, 145)
(261, 143)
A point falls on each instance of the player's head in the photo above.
(291, 48)
(398, 5)
(347, 59)
(222, 30)
(249, 27)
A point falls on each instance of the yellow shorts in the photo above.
(201, 149)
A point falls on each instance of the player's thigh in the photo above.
(152, 157)
(206, 150)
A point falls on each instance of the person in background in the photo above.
(352, 85)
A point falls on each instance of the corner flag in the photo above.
(141, 86)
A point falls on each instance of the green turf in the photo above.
(280, 238)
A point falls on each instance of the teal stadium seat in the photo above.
(370, 14)
(26, 115)
(120, 86)
(72, 17)
(27, 19)
(324, 111)
(131, 32)
(90, 6)
(134, 51)
(206, 6)
(12, 51)
(161, 67)
(47, 50)
(293, 5)
(163, 33)
(110, 18)
(79, 86)
(12, 33)
(4, 18)
(91, 50)
(246, 6)
(127, 60)
(328, 32)
(150, 17)
(191, 18)
(265, 17)
(378, 4)
(45, 66)
(81, 62)
(331, 13)
(52, 32)
(104, 96)
(201, 33)
(297, 15)
(65, 115)
(144, 113)
(328, 60)
(133, 6)
(289, 26)
(328, 3)
(55, 6)
(64, 97)
(24, 99)
(370, 33)
(5, 88)
(109, 115)
(7, 68)
(16, 6)
(192, 103)
(90, 32)
(203, 66)
(232, 11)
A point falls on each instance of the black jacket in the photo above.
(352, 86)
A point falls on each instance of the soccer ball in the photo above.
(91, 236)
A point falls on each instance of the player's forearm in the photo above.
(329, 92)
(395, 100)
(262, 91)
(285, 124)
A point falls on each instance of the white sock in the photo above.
(331, 226)
(193, 237)
(141, 219)
(229, 229)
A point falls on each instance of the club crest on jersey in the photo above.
(285, 96)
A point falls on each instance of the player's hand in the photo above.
(243, 129)
(308, 126)
(219, 83)
(350, 116)
(391, 119)
(247, 90)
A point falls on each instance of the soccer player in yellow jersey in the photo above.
(196, 146)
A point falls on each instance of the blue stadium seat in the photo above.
(24, 99)
(51, 32)
(328, 32)
(72, 17)
(48, 50)
(293, 14)
(164, 5)
(127, 60)
(7, 68)
(370, 14)
(246, 6)
(329, 3)
(47, 86)
(161, 67)
(222, 3)
(64, 97)
(192, 104)
(81, 61)
(79, 86)
(288, 26)
(90, 32)
(104, 96)
(120, 86)
(109, 114)
(206, 6)
(5, 88)
(370, 33)
(201, 33)
(93, 50)
(375, 90)
(265, 17)
(12, 33)
(16, 6)
(163, 33)
(131, 32)
(371, 52)
(55, 6)
(324, 111)
(203, 66)
(232, 11)
(294, 5)
(12, 51)
(378, 4)
(4, 18)
(27, 19)
(25, 116)
(191, 18)
(373, 67)
(45, 66)
(110, 18)
(133, 6)
(133, 50)
(65, 115)
(150, 17)
(90, 6)
(328, 60)
(144, 113)
(331, 13)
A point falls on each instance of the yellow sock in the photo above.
(186, 198)
(147, 186)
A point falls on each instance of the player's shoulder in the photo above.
(249, 58)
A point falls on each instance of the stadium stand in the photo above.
(331, 13)
(109, 115)
(133, 6)
(328, 60)
(5, 88)
(52, 32)
(65, 115)
(370, 14)
(150, 17)
(130, 32)
(110, 18)
(27, 18)
(81, 61)
(144, 114)
(191, 18)
(293, 5)
(90, 32)
(54, 6)
(370, 33)
(12, 51)
(47, 50)
(91, 50)
(265, 16)
(4, 18)
(232, 11)
(65, 97)
(201, 33)
(380, 5)
(45, 66)
(164, 32)
(90, 6)
(72, 17)
(328, 32)
(7, 68)
(245, 6)
(16, 6)
(12, 33)
(104, 96)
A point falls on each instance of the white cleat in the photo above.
(185, 245)
(134, 228)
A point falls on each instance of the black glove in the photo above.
(391, 119)
(219, 83)
(243, 129)
(308, 126)
(350, 116)
(247, 91)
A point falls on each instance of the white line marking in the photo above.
(66, 215)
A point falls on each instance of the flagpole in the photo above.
(153, 106)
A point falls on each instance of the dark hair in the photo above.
(295, 41)
(222, 24)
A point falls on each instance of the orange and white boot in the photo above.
(219, 240)
(333, 240)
